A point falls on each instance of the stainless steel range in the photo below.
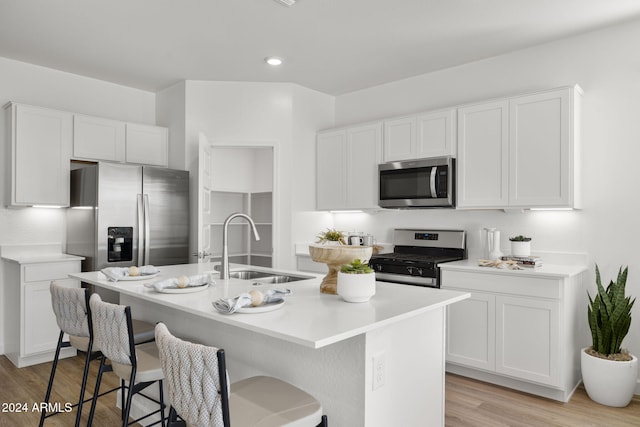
(416, 256)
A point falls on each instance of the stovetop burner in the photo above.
(417, 254)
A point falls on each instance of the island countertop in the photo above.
(307, 318)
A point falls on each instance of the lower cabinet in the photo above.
(32, 330)
(519, 332)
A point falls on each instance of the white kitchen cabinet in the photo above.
(40, 143)
(519, 329)
(483, 155)
(471, 331)
(96, 138)
(347, 167)
(428, 134)
(399, 139)
(527, 339)
(148, 145)
(543, 135)
(33, 335)
(520, 152)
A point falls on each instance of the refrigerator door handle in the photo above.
(147, 231)
(141, 226)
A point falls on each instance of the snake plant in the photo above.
(609, 314)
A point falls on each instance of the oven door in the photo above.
(419, 183)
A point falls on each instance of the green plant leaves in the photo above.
(356, 267)
(609, 314)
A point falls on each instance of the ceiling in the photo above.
(333, 46)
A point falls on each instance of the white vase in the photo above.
(356, 287)
(609, 382)
(522, 249)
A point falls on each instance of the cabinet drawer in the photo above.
(503, 283)
(50, 270)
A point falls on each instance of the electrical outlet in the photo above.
(379, 371)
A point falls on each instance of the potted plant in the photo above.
(356, 281)
(520, 246)
(331, 237)
(609, 373)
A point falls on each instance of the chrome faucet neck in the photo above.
(224, 265)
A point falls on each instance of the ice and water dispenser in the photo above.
(119, 244)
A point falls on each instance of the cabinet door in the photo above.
(148, 145)
(400, 139)
(41, 142)
(96, 138)
(471, 332)
(483, 155)
(363, 156)
(331, 191)
(39, 322)
(541, 148)
(527, 339)
(436, 134)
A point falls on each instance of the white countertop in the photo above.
(36, 253)
(546, 270)
(308, 317)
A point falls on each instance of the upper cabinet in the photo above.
(147, 145)
(347, 167)
(520, 152)
(96, 138)
(40, 141)
(428, 134)
(483, 155)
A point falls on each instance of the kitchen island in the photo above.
(378, 363)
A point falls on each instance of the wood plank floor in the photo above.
(469, 403)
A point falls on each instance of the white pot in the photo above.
(609, 382)
(520, 249)
(356, 287)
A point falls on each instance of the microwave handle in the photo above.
(432, 182)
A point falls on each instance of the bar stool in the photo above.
(71, 308)
(198, 389)
(137, 364)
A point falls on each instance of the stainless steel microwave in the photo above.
(422, 183)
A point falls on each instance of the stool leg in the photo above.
(85, 376)
(162, 418)
(126, 409)
(96, 392)
(53, 373)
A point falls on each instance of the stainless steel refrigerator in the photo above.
(123, 215)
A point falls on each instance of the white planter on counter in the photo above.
(522, 249)
(356, 287)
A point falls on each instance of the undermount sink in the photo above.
(264, 277)
(281, 278)
(248, 274)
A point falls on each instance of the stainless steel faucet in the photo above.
(224, 267)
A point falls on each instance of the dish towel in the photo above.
(229, 306)
(181, 282)
(117, 273)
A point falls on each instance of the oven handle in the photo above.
(407, 280)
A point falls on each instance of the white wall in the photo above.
(282, 115)
(29, 84)
(603, 64)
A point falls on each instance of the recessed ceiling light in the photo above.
(287, 2)
(272, 60)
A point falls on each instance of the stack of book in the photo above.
(525, 261)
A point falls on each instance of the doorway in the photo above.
(241, 180)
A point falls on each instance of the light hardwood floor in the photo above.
(469, 403)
